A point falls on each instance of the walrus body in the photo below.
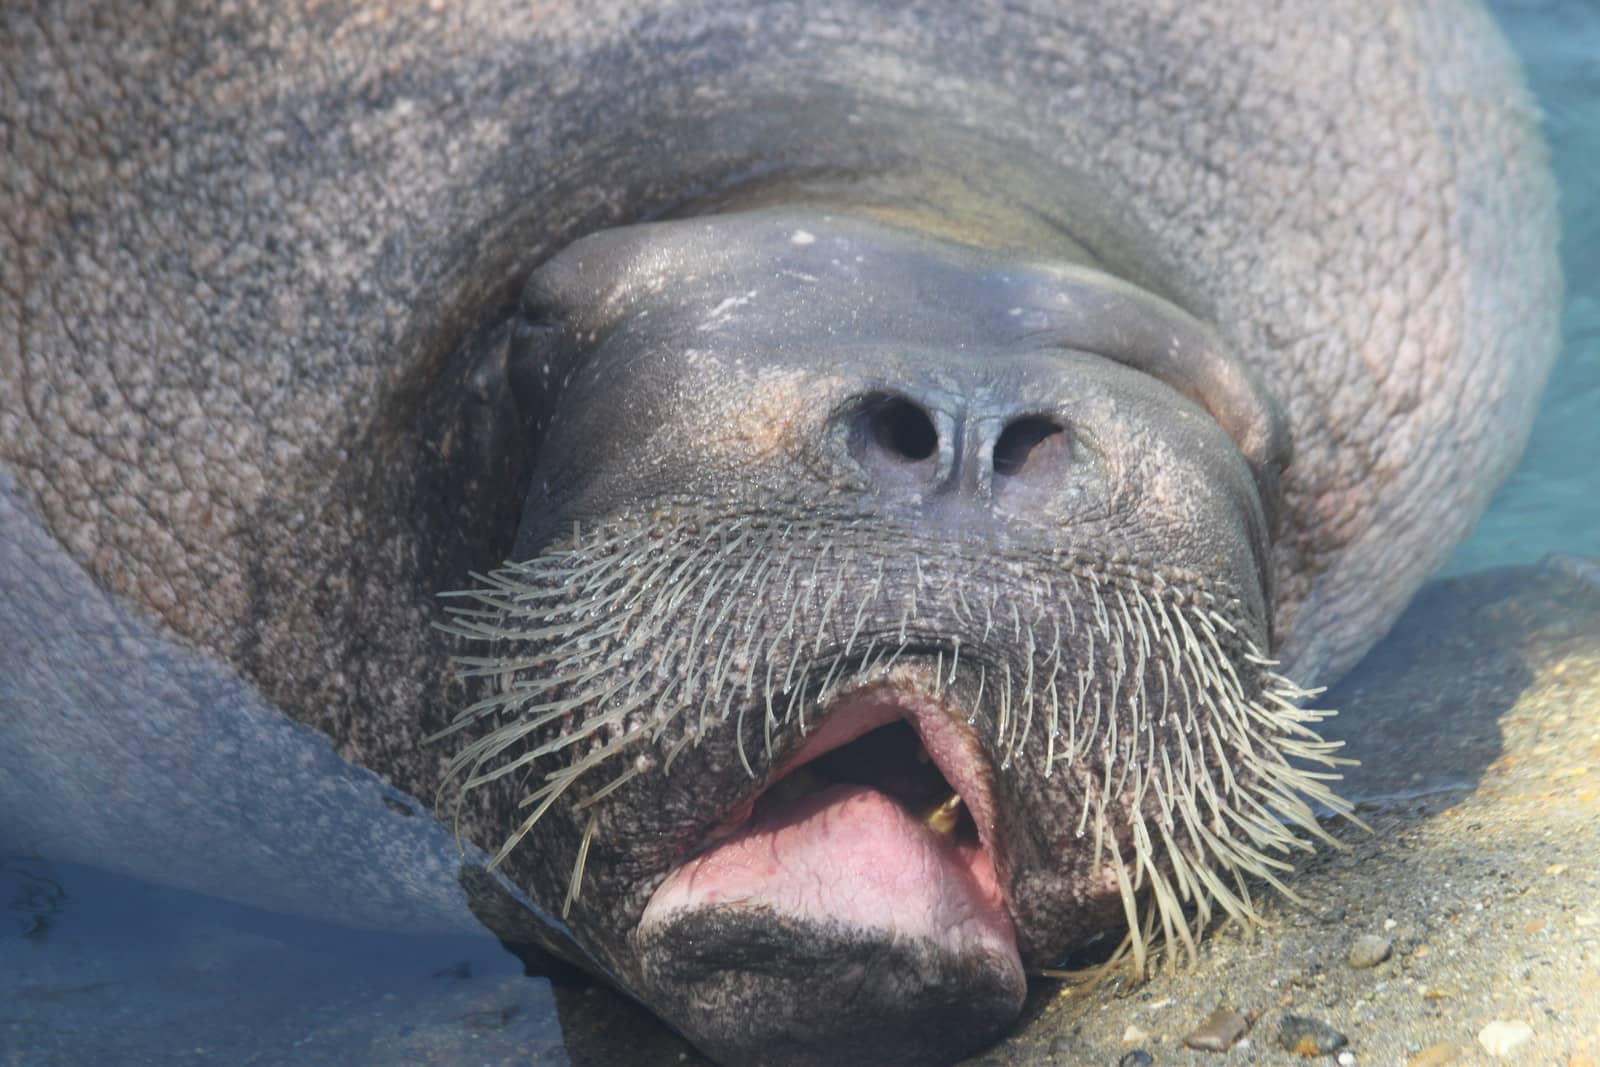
(1011, 384)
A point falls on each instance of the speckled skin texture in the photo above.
(251, 255)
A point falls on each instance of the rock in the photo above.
(1502, 1037)
(1218, 1031)
(1437, 1055)
(1369, 950)
(1068, 1048)
(1137, 1058)
(1309, 1037)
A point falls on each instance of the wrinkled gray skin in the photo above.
(272, 377)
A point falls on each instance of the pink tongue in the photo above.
(849, 854)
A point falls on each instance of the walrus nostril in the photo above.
(902, 430)
(1026, 440)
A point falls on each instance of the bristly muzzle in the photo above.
(610, 654)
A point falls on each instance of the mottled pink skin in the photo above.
(850, 854)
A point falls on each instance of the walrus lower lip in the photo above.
(850, 854)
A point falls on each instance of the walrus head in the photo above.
(882, 606)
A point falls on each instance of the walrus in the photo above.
(895, 473)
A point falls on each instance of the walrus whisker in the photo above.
(794, 699)
(827, 681)
(1168, 904)
(738, 741)
(1111, 703)
(895, 657)
(1055, 728)
(606, 790)
(720, 674)
(677, 748)
(825, 615)
(964, 613)
(1003, 719)
(1156, 647)
(551, 794)
(1028, 695)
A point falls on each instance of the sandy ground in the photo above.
(1478, 723)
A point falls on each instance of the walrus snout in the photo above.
(945, 384)
(795, 459)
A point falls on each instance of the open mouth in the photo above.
(881, 824)
(913, 843)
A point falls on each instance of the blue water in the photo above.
(100, 969)
(97, 969)
(1551, 503)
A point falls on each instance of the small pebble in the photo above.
(1309, 1037)
(1502, 1037)
(1435, 1056)
(1218, 1031)
(1347, 1059)
(1137, 1058)
(1133, 1035)
(1369, 950)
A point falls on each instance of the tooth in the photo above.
(942, 818)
